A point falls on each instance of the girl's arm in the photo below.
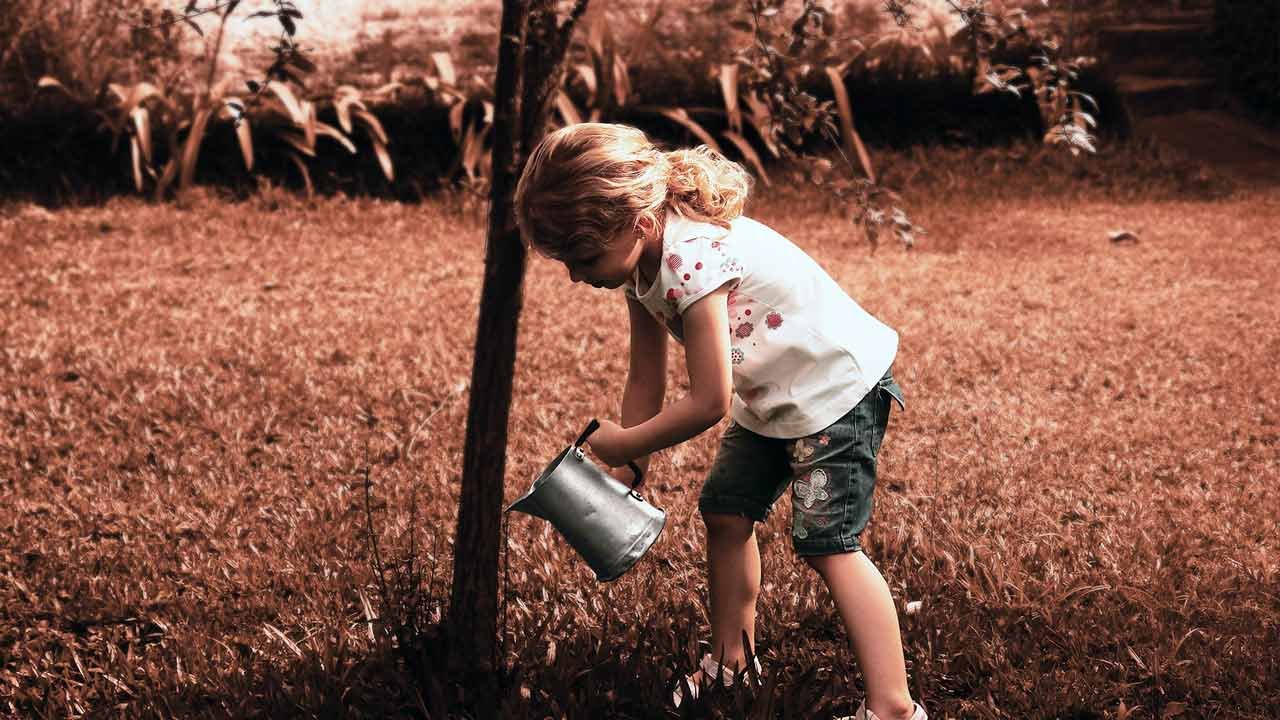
(706, 342)
(647, 376)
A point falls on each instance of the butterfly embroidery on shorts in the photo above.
(801, 451)
(812, 488)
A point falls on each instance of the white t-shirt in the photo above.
(803, 352)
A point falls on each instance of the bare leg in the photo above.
(866, 607)
(733, 569)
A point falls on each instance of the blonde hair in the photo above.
(585, 184)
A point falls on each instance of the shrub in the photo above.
(85, 44)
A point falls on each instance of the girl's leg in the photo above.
(866, 607)
(733, 569)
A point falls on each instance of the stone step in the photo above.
(1148, 95)
(1121, 42)
(1183, 17)
(1193, 17)
(1188, 65)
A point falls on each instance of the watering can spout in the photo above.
(529, 506)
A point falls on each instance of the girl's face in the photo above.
(609, 268)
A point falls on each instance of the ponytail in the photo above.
(706, 186)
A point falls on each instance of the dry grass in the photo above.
(1082, 492)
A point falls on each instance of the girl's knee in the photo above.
(728, 525)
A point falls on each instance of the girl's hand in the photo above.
(624, 475)
(608, 443)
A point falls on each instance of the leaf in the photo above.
(749, 153)
(298, 141)
(142, 128)
(137, 163)
(444, 67)
(194, 26)
(191, 150)
(568, 111)
(306, 175)
(309, 126)
(287, 23)
(384, 159)
(455, 120)
(136, 95)
(290, 102)
(472, 147)
(621, 81)
(272, 630)
(852, 141)
(1088, 98)
(390, 89)
(342, 106)
(330, 131)
(232, 109)
(375, 128)
(588, 75)
(302, 62)
(760, 119)
(245, 138)
(729, 91)
(679, 115)
(166, 177)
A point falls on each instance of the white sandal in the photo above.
(865, 714)
(712, 670)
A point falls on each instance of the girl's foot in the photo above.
(863, 713)
(709, 670)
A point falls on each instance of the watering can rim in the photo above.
(549, 470)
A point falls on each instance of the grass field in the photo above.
(1082, 492)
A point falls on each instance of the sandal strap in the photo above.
(713, 669)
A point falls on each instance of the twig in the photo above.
(187, 15)
(373, 536)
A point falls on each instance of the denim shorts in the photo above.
(832, 474)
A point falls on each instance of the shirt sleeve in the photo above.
(695, 266)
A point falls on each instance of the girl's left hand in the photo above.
(608, 443)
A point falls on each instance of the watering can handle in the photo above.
(592, 427)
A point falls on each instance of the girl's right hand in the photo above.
(623, 474)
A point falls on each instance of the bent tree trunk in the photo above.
(531, 53)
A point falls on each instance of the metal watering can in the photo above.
(609, 524)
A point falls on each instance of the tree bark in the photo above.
(531, 54)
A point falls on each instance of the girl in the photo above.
(769, 337)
